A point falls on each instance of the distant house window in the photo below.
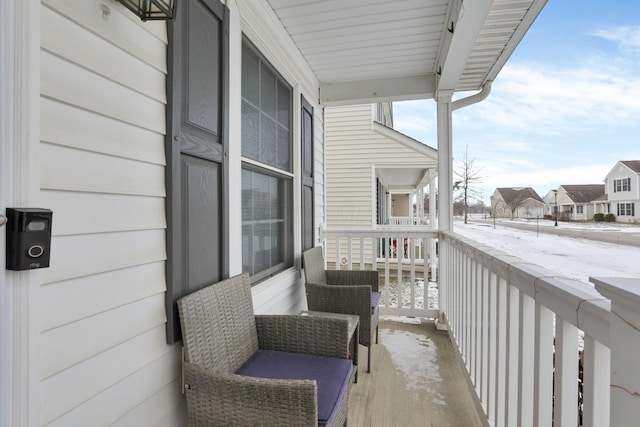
(623, 184)
(626, 209)
(580, 209)
(267, 171)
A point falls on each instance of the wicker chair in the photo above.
(343, 291)
(223, 339)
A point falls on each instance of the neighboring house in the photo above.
(622, 189)
(175, 155)
(550, 202)
(576, 202)
(373, 172)
(517, 203)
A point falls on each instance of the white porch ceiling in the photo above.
(372, 50)
(403, 178)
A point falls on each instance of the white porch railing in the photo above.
(522, 331)
(405, 221)
(505, 315)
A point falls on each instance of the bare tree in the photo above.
(468, 176)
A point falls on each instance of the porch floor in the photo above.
(416, 380)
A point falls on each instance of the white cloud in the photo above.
(627, 37)
(550, 100)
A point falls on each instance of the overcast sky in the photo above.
(564, 109)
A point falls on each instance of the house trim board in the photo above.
(19, 177)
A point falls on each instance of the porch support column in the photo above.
(445, 161)
(624, 343)
(432, 221)
(445, 189)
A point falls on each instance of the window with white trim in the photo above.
(623, 184)
(626, 209)
(580, 209)
(267, 171)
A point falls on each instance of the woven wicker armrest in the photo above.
(353, 277)
(303, 334)
(220, 398)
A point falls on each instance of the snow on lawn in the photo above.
(574, 258)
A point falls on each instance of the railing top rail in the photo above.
(381, 232)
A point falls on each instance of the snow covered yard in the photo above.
(574, 258)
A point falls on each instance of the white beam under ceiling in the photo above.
(466, 27)
(378, 90)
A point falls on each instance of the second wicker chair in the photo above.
(343, 291)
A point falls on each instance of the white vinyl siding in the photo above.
(353, 149)
(103, 352)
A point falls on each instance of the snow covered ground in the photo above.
(574, 258)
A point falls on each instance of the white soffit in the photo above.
(372, 50)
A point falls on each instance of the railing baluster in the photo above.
(386, 272)
(473, 325)
(502, 316)
(485, 339)
(597, 384)
(399, 273)
(543, 367)
(526, 363)
(565, 409)
(513, 322)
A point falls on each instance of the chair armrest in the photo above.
(303, 334)
(220, 398)
(353, 277)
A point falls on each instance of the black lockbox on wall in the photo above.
(28, 238)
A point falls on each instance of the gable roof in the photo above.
(634, 165)
(583, 193)
(406, 140)
(518, 195)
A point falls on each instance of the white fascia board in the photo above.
(405, 140)
(377, 90)
(466, 28)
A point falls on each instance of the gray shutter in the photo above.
(197, 176)
(307, 175)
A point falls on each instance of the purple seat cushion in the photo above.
(375, 300)
(331, 374)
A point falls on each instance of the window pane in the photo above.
(268, 92)
(282, 149)
(284, 104)
(250, 77)
(250, 130)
